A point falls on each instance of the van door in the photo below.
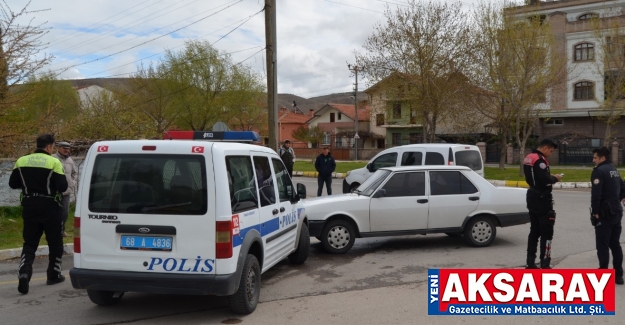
(452, 198)
(289, 219)
(469, 157)
(269, 209)
(412, 157)
(385, 160)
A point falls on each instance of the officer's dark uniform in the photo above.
(608, 190)
(540, 205)
(287, 157)
(41, 178)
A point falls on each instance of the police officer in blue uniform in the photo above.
(608, 191)
(540, 203)
(42, 181)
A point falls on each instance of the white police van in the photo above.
(185, 217)
(417, 155)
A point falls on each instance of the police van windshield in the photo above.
(469, 158)
(149, 184)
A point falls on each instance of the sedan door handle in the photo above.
(422, 201)
(474, 198)
(275, 211)
(281, 209)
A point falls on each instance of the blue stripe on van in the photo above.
(264, 229)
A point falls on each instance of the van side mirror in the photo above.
(379, 193)
(370, 167)
(301, 191)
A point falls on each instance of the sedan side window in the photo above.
(450, 183)
(405, 184)
(387, 160)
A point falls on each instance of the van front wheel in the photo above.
(245, 299)
(104, 298)
(300, 255)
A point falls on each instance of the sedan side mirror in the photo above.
(301, 191)
(380, 193)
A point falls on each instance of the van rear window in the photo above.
(149, 184)
(469, 158)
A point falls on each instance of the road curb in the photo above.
(6, 254)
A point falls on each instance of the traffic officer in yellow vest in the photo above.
(42, 181)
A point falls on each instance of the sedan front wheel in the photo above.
(338, 237)
(480, 231)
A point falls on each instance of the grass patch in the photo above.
(341, 167)
(11, 225)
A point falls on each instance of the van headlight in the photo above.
(347, 175)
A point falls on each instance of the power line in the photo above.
(354, 6)
(94, 24)
(148, 41)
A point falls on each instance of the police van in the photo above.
(417, 155)
(185, 217)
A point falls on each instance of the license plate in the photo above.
(147, 243)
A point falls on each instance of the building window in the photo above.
(397, 110)
(587, 16)
(584, 52)
(339, 117)
(396, 139)
(331, 117)
(326, 138)
(379, 119)
(554, 122)
(584, 90)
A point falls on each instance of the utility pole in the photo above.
(272, 72)
(355, 69)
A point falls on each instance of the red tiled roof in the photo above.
(364, 112)
(290, 117)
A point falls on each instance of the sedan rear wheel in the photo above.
(480, 231)
(338, 237)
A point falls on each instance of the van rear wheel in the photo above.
(245, 299)
(104, 298)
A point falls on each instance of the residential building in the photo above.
(576, 115)
(337, 121)
(290, 120)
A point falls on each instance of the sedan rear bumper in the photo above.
(513, 219)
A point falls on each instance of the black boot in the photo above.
(530, 262)
(545, 263)
(23, 285)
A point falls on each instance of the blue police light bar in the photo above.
(233, 136)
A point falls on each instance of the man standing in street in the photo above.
(41, 179)
(608, 191)
(325, 166)
(71, 172)
(540, 203)
(287, 155)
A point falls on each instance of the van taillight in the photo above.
(223, 239)
(450, 163)
(76, 234)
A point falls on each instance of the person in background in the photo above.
(608, 191)
(41, 179)
(540, 203)
(287, 155)
(71, 173)
(325, 166)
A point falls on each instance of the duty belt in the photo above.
(58, 198)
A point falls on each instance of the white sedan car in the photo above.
(416, 200)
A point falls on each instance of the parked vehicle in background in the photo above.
(428, 154)
(416, 200)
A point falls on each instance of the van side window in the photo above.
(434, 158)
(411, 159)
(285, 186)
(264, 181)
(450, 183)
(469, 158)
(387, 160)
(405, 184)
(241, 183)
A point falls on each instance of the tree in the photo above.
(420, 54)
(247, 98)
(20, 59)
(515, 62)
(609, 50)
(312, 134)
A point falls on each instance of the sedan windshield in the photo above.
(373, 182)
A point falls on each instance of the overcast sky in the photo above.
(109, 38)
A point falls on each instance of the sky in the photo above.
(110, 38)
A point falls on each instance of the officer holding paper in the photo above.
(608, 191)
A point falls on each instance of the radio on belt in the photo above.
(231, 136)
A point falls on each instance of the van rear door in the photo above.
(469, 156)
(149, 210)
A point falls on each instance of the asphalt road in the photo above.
(380, 281)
